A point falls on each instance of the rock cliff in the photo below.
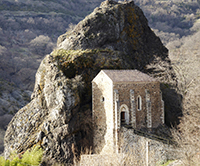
(116, 36)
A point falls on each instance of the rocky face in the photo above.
(119, 27)
(114, 36)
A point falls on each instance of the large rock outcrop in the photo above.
(116, 36)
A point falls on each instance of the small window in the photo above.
(102, 99)
(139, 103)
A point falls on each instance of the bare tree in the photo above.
(41, 44)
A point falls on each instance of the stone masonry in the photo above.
(123, 98)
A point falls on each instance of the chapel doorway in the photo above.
(124, 114)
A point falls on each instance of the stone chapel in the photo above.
(123, 98)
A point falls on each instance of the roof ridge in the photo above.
(128, 75)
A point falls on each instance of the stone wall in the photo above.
(135, 150)
(101, 160)
(140, 90)
(103, 114)
(149, 150)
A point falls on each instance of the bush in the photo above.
(29, 158)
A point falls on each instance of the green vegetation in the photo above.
(167, 163)
(29, 158)
(74, 62)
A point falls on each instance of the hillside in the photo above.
(28, 26)
(28, 31)
(171, 19)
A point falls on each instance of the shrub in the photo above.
(29, 158)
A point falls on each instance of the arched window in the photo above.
(124, 114)
(139, 103)
(123, 119)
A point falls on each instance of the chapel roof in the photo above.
(128, 76)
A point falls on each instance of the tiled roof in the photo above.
(128, 76)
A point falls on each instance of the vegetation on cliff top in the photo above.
(74, 62)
